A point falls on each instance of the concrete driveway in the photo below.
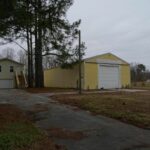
(101, 133)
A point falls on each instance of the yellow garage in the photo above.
(105, 71)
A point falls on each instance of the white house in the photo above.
(8, 71)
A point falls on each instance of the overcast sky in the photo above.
(118, 26)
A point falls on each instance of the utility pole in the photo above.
(80, 76)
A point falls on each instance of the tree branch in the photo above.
(20, 46)
(54, 54)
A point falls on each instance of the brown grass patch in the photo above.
(66, 134)
(48, 90)
(45, 144)
(132, 108)
(141, 85)
(10, 113)
(18, 133)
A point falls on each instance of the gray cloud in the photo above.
(118, 26)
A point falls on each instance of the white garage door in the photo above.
(109, 76)
(6, 84)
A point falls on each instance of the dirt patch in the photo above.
(18, 133)
(140, 146)
(48, 90)
(39, 108)
(133, 108)
(46, 144)
(66, 134)
(10, 114)
(36, 109)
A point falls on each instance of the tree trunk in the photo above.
(28, 45)
(31, 59)
(39, 80)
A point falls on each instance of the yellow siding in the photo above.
(91, 71)
(125, 76)
(67, 78)
(61, 78)
(90, 76)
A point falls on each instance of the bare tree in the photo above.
(49, 62)
(22, 57)
(139, 72)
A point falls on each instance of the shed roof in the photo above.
(7, 59)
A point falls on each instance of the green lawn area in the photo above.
(133, 108)
(18, 133)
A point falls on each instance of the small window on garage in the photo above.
(0, 68)
(11, 69)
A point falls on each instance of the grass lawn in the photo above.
(133, 108)
(18, 133)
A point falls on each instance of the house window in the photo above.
(11, 69)
(0, 68)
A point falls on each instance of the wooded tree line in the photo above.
(43, 25)
(139, 72)
(21, 56)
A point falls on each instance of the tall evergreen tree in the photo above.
(44, 25)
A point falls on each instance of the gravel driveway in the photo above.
(101, 133)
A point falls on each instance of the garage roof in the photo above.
(102, 57)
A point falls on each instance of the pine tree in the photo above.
(47, 31)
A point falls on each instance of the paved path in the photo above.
(101, 133)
